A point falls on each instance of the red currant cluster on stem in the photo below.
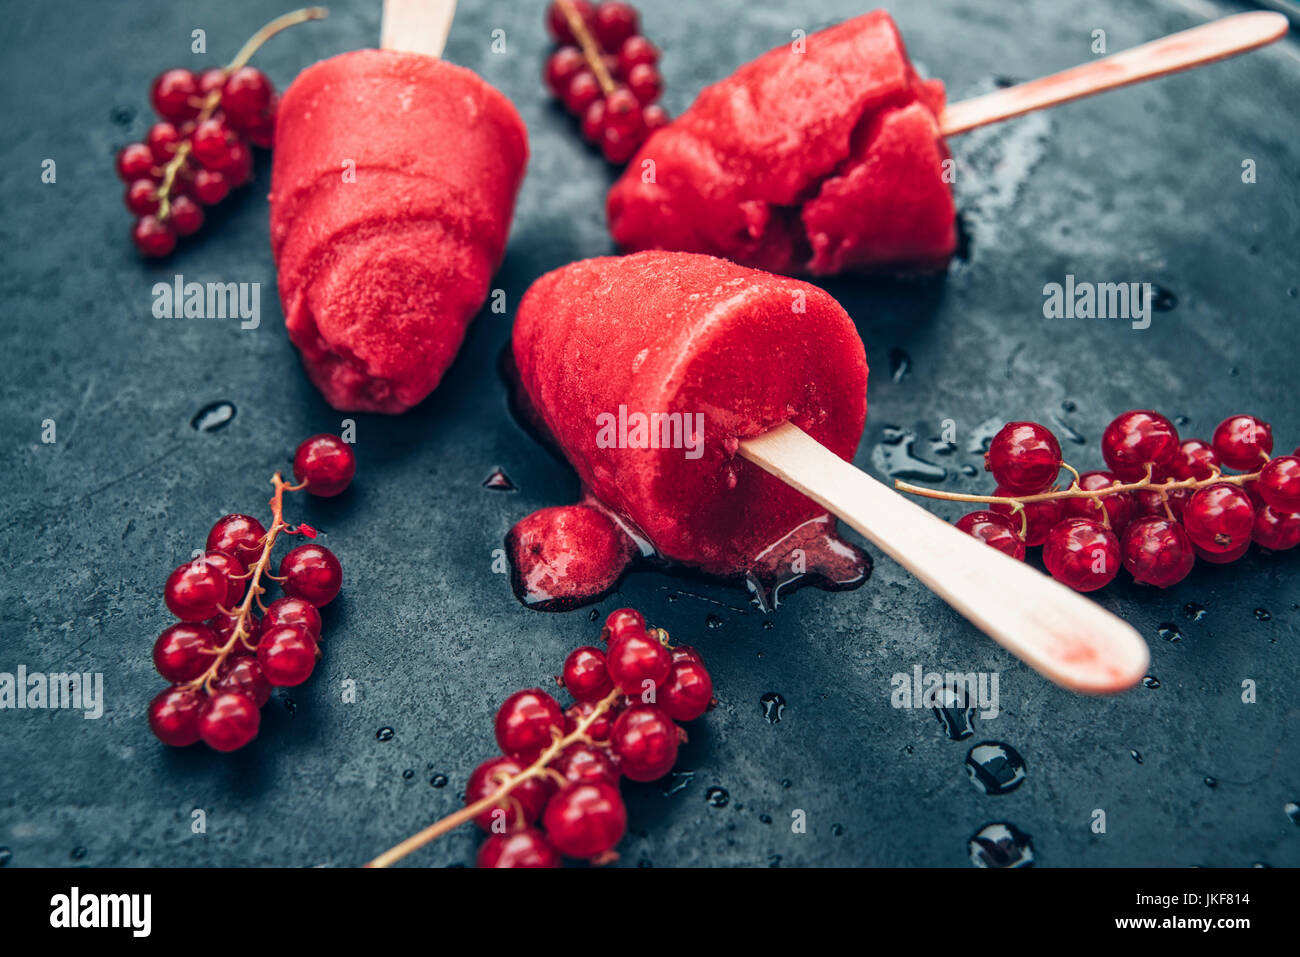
(201, 148)
(562, 767)
(604, 73)
(1162, 504)
(221, 657)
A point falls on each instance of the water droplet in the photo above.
(765, 818)
(954, 715)
(438, 781)
(78, 853)
(1181, 420)
(769, 625)
(6, 856)
(969, 470)
(592, 615)
(717, 797)
(1211, 782)
(213, 416)
(1162, 299)
(982, 435)
(1137, 756)
(1068, 405)
(288, 704)
(408, 774)
(895, 456)
(1261, 864)
(1261, 614)
(676, 782)
(773, 706)
(900, 364)
(713, 621)
(1002, 82)
(122, 115)
(384, 734)
(774, 860)
(837, 830)
(787, 783)
(1293, 812)
(1151, 681)
(1070, 432)
(1001, 845)
(1194, 611)
(995, 768)
(498, 481)
(1169, 631)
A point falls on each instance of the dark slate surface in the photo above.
(1140, 185)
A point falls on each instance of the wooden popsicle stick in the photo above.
(1055, 630)
(416, 26)
(1212, 41)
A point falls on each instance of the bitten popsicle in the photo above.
(392, 192)
(829, 154)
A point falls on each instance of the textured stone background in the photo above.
(1139, 185)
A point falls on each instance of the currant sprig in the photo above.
(1162, 504)
(202, 146)
(605, 73)
(221, 658)
(563, 767)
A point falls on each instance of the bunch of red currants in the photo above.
(605, 73)
(1162, 503)
(563, 767)
(221, 657)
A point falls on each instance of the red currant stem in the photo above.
(241, 632)
(1072, 470)
(213, 99)
(539, 768)
(590, 48)
(1192, 484)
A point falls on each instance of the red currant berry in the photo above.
(1082, 554)
(1040, 517)
(244, 675)
(645, 740)
(1157, 552)
(246, 95)
(1147, 503)
(585, 820)
(655, 116)
(614, 24)
(1136, 439)
(239, 535)
(685, 653)
(142, 197)
(135, 161)
(688, 692)
(1274, 530)
(636, 50)
(174, 716)
(293, 611)
(210, 187)
(582, 762)
(1220, 558)
(287, 654)
(558, 23)
(585, 676)
(561, 67)
(312, 573)
(163, 139)
(174, 93)
(1219, 518)
(184, 651)
(645, 83)
(1119, 506)
(529, 797)
(234, 571)
(618, 148)
(1195, 459)
(224, 626)
(326, 463)
(211, 79)
(623, 115)
(598, 730)
(526, 720)
(186, 216)
(262, 132)
(583, 90)
(1243, 442)
(1024, 456)
(153, 237)
(229, 721)
(526, 847)
(196, 590)
(593, 122)
(211, 143)
(1279, 483)
(1000, 531)
(635, 659)
(620, 622)
(241, 164)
